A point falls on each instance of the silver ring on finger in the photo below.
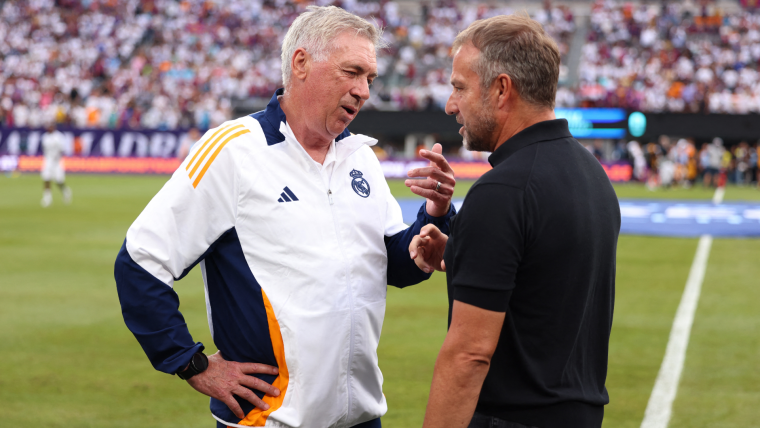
(437, 186)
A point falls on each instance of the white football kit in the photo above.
(53, 146)
(295, 259)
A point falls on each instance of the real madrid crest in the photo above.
(359, 184)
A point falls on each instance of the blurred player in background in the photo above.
(187, 142)
(53, 144)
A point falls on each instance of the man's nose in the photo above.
(361, 90)
(451, 107)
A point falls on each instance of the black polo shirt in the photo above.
(536, 238)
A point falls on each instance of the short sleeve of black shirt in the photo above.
(485, 246)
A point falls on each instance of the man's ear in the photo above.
(504, 88)
(300, 64)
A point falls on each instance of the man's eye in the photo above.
(369, 83)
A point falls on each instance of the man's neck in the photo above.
(514, 125)
(314, 143)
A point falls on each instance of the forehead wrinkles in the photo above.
(357, 52)
(463, 68)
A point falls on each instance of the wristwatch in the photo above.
(198, 364)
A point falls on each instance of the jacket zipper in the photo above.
(349, 391)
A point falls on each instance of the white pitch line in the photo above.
(718, 195)
(660, 404)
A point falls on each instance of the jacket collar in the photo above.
(272, 118)
(344, 147)
(536, 133)
(275, 126)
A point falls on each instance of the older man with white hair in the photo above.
(297, 235)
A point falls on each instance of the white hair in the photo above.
(315, 29)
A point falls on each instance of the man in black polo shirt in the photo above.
(530, 260)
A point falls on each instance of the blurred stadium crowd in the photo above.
(667, 163)
(671, 57)
(166, 64)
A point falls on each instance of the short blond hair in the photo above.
(315, 29)
(519, 47)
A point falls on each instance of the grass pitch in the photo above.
(70, 361)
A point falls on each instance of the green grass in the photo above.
(651, 274)
(720, 385)
(623, 190)
(733, 193)
(70, 361)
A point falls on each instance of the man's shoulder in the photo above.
(267, 124)
(241, 133)
(563, 156)
(230, 143)
(514, 171)
(366, 153)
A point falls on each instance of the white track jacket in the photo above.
(295, 268)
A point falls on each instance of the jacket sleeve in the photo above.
(177, 229)
(402, 271)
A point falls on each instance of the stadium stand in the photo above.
(167, 64)
(671, 57)
(181, 64)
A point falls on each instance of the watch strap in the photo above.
(198, 364)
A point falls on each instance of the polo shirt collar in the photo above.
(536, 133)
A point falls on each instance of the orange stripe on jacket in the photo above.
(211, 146)
(200, 149)
(216, 152)
(257, 417)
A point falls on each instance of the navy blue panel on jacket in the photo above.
(271, 117)
(151, 312)
(241, 329)
(402, 271)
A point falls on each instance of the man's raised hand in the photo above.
(439, 171)
(426, 249)
(223, 379)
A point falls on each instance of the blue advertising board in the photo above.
(688, 219)
(595, 122)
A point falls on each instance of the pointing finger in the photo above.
(438, 149)
(436, 159)
(431, 172)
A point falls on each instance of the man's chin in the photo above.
(476, 147)
(338, 127)
(467, 144)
